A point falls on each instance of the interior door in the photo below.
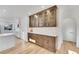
(69, 30)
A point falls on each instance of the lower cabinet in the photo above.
(47, 42)
(51, 45)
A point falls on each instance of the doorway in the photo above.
(69, 30)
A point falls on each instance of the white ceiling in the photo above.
(18, 10)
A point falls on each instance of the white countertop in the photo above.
(44, 34)
(49, 31)
(6, 34)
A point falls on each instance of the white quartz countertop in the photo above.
(6, 34)
(44, 34)
(49, 31)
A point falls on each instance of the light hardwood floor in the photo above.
(26, 48)
(66, 46)
(30, 48)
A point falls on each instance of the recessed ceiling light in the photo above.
(35, 16)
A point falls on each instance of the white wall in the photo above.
(69, 24)
(24, 27)
(59, 41)
(76, 16)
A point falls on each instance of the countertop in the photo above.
(44, 34)
(6, 34)
(49, 31)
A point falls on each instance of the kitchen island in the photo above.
(7, 40)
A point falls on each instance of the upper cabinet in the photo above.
(45, 18)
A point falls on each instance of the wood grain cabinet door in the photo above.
(46, 42)
(32, 21)
(52, 18)
(33, 37)
(51, 44)
(39, 41)
(45, 18)
(40, 21)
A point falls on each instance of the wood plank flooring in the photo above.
(30, 48)
(66, 46)
(26, 48)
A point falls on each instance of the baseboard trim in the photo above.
(69, 41)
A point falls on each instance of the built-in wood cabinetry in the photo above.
(45, 18)
(44, 41)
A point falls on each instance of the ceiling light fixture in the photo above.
(35, 16)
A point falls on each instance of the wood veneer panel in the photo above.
(45, 18)
(47, 42)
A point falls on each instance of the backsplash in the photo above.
(6, 28)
